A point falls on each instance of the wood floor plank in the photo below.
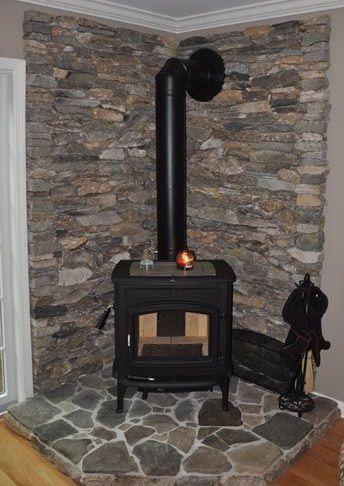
(291, 479)
(21, 465)
(5, 480)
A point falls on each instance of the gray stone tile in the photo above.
(248, 393)
(250, 408)
(191, 424)
(198, 481)
(322, 408)
(215, 442)
(107, 414)
(73, 449)
(139, 408)
(138, 432)
(182, 438)
(52, 431)
(63, 392)
(102, 433)
(80, 418)
(235, 436)
(251, 420)
(244, 480)
(211, 414)
(68, 407)
(88, 399)
(33, 412)
(109, 458)
(204, 431)
(161, 399)
(207, 461)
(254, 459)
(64, 464)
(185, 411)
(270, 403)
(160, 436)
(158, 459)
(284, 430)
(161, 423)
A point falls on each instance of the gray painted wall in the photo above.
(11, 28)
(329, 378)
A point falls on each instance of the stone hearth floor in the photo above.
(180, 439)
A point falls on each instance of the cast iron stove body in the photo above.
(173, 328)
(193, 351)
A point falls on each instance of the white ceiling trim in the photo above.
(106, 9)
(254, 12)
(264, 10)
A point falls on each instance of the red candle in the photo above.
(185, 259)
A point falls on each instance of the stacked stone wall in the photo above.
(256, 172)
(257, 164)
(91, 180)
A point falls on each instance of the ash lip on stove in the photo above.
(173, 327)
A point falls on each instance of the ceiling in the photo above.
(184, 16)
(182, 8)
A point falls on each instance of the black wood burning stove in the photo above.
(173, 332)
(173, 327)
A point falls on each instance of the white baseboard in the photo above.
(339, 402)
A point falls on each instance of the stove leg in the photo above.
(121, 389)
(225, 394)
(144, 395)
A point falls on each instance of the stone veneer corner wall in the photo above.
(257, 164)
(91, 180)
(256, 168)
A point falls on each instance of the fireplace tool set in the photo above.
(303, 311)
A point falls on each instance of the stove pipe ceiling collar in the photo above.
(202, 76)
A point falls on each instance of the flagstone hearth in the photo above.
(169, 439)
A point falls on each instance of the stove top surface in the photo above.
(166, 269)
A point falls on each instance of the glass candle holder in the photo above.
(185, 259)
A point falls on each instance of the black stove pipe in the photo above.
(202, 76)
(171, 158)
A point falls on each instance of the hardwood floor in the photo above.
(21, 465)
(319, 465)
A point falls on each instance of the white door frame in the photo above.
(15, 70)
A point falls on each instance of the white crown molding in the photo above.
(106, 9)
(262, 10)
(251, 13)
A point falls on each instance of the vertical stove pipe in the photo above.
(202, 76)
(171, 158)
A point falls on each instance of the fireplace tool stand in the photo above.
(296, 400)
(303, 311)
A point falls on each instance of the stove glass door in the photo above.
(172, 334)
